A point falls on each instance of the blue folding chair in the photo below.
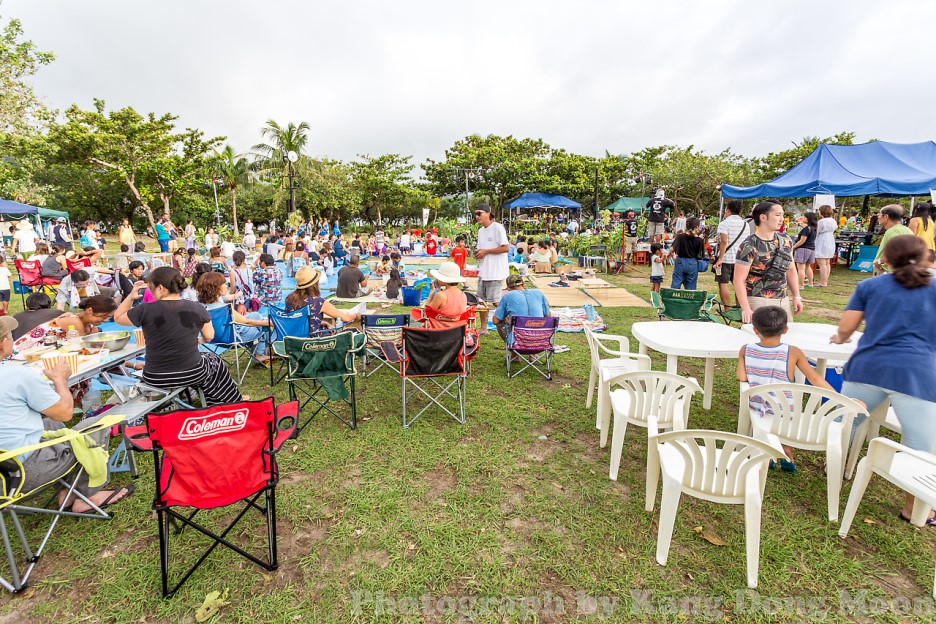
(295, 324)
(226, 342)
(377, 330)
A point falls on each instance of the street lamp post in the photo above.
(291, 157)
(470, 173)
(643, 179)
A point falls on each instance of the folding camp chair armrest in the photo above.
(106, 422)
(391, 352)
(138, 438)
(286, 421)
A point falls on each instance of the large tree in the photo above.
(234, 172)
(20, 109)
(144, 152)
(385, 188)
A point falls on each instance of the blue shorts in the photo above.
(4, 295)
(656, 279)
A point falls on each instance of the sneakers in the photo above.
(785, 465)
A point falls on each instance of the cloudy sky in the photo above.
(412, 77)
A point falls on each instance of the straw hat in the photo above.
(24, 225)
(447, 273)
(307, 277)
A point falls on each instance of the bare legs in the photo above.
(825, 266)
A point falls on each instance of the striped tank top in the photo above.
(766, 365)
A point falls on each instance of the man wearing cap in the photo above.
(492, 255)
(61, 235)
(351, 280)
(29, 405)
(630, 235)
(518, 301)
(24, 239)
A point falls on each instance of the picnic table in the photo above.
(691, 339)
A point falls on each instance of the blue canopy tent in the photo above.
(543, 201)
(878, 168)
(15, 211)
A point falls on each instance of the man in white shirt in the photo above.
(492, 255)
(731, 233)
(227, 249)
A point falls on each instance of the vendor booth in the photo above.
(878, 168)
(528, 207)
(42, 218)
(625, 204)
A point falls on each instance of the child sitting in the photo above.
(770, 361)
(394, 284)
(657, 266)
(383, 267)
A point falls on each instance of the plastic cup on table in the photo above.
(50, 360)
(138, 337)
(72, 359)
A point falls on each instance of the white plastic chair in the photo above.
(619, 360)
(734, 474)
(883, 416)
(644, 397)
(808, 418)
(912, 471)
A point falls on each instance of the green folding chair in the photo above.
(684, 305)
(322, 370)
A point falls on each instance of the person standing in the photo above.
(630, 235)
(125, 235)
(24, 239)
(922, 225)
(659, 205)
(804, 251)
(190, 235)
(491, 254)
(764, 266)
(894, 357)
(687, 249)
(61, 235)
(162, 234)
(731, 233)
(825, 244)
(891, 220)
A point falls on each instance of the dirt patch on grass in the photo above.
(441, 479)
(514, 498)
(353, 477)
(541, 450)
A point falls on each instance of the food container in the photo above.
(50, 359)
(113, 341)
(138, 338)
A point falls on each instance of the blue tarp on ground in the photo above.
(541, 200)
(878, 168)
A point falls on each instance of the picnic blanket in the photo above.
(559, 297)
(371, 298)
(574, 320)
(616, 298)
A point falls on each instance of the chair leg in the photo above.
(859, 485)
(591, 391)
(162, 520)
(271, 526)
(669, 505)
(834, 481)
(752, 531)
(653, 474)
(617, 445)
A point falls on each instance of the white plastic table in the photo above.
(813, 340)
(692, 339)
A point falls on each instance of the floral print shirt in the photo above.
(267, 281)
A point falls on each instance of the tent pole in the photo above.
(721, 206)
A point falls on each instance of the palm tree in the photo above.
(234, 170)
(271, 156)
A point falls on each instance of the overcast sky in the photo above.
(412, 77)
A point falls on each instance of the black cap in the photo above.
(483, 208)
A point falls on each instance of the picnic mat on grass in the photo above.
(572, 320)
(368, 299)
(557, 297)
(616, 298)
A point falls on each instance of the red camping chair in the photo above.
(435, 363)
(466, 319)
(74, 265)
(30, 275)
(210, 458)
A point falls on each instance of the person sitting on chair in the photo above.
(446, 299)
(30, 405)
(518, 301)
(307, 294)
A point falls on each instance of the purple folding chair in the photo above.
(531, 344)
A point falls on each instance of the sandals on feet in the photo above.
(931, 521)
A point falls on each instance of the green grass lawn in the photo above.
(511, 517)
